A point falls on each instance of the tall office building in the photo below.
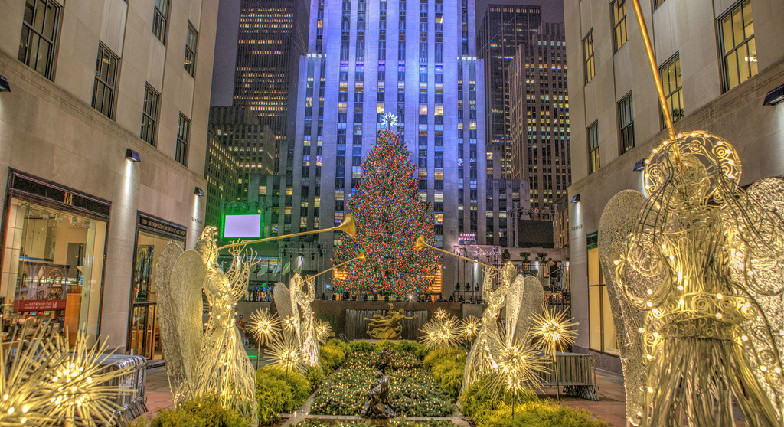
(540, 119)
(415, 59)
(721, 65)
(269, 44)
(504, 27)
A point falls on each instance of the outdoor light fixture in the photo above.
(132, 155)
(198, 191)
(4, 86)
(775, 96)
(639, 166)
(575, 198)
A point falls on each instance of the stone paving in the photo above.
(610, 407)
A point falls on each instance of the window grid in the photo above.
(593, 147)
(738, 46)
(107, 64)
(626, 123)
(670, 73)
(183, 137)
(40, 30)
(150, 110)
(160, 19)
(618, 14)
(191, 42)
(588, 58)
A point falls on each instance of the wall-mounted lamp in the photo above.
(639, 166)
(132, 155)
(775, 96)
(575, 198)
(4, 86)
(198, 191)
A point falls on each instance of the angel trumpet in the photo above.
(421, 244)
(348, 226)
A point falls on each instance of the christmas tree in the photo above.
(389, 218)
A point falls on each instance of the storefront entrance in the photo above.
(53, 256)
(152, 236)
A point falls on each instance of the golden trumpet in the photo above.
(348, 226)
(421, 244)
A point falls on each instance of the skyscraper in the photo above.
(539, 112)
(415, 59)
(269, 43)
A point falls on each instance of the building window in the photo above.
(625, 123)
(593, 147)
(183, 136)
(191, 41)
(160, 19)
(588, 59)
(618, 13)
(670, 73)
(152, 99)
(738, 47)
(106, 67)
(40, 28)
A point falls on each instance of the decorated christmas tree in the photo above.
(389, 218)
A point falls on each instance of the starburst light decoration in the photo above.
(696, 278)
(286, 354)
(554, 331)
(323, 330)
(516, 368)
(440, 332)
(469, 328)
(264, 326)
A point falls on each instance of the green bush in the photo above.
(539, 413)
(340, 344)
(482, 398)
(360, 346)
(447, 366)
(332, 356)
(315, 376)
(206, 412)
(277, 391)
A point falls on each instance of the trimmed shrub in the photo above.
(278, 392)
(206, 412)
(360, 346)
(331, 356)
(314, 376)
(447, 366)
(340, 344)
(541, 413)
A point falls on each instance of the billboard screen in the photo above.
(242, 226)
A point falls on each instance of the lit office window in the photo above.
(738, 47)
(620, 35)
(670, 73)
(38, 44)
(589, 68)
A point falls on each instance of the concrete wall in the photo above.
(686, 27)
(49, 129)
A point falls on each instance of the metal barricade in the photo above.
(130, 387)
(575, 375)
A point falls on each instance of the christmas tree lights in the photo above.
(389, 218)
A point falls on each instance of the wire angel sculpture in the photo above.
(204, 360)
(294, 306)
(696, 278)
(520, 297)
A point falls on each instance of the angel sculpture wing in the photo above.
(619, 216)
(282, 298)
(178, 280)
(488, 340)
(524, 300)
(695, 282)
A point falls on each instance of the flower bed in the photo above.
(413, 391)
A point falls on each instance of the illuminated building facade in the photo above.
(414, 59)
(540, 119)
(221, 172)
(269, 43)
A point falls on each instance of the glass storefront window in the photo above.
(52, 268)
(144, 338)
